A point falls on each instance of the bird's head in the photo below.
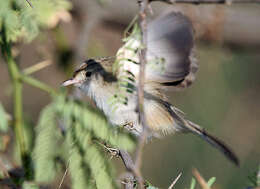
(84, 74)
(90, 70)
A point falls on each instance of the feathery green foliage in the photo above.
(21, 21)
(94, 121)
(85, 127)
(46, 146)
(80, 171)
(29, 185)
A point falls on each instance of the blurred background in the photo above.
(224, 98)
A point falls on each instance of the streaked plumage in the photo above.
(170, 45)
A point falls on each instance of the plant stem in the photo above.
(38, 84)
(17, 96)
(143, 6)
(34, 68)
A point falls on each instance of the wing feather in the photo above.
(170, 52)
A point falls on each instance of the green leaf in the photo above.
(211, 181)
(30, 185)
(3, 119)
(87, 161)
(79, 170)
(97, 164)
(88, 165)
(46, 146)
(148, 185)
(94, 121)
(193, 183)
(152, 187)
(21, 21)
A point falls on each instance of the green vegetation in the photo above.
(69, 133)
(71, 138)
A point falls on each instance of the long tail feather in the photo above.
(215, 142)
(189, 126)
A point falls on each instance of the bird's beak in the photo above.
(70, 82)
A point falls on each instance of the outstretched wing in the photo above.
(170, 53)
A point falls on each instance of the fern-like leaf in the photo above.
(46, 146)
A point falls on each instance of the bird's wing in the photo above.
(170, 54)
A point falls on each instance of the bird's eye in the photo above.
(88, 74)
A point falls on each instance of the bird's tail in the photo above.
(215, 142)
(188, 126)
(181, 124)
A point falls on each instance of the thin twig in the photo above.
(198, 2)
(200, 179)
(175, 181)
(38, 84)
(128, 180)
(129, 164)
(127, 160)
(36, 67)
(29, 2)
(64, 175)
(142, 56)
(114, 152)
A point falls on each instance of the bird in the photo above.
(171, 66)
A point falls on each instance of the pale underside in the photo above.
(159, 119)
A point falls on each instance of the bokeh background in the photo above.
(224, 99)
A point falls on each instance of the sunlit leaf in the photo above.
(3, 119)
(211, 181)
(193, 183)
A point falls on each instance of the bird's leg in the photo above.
(129, 126)
(114, 152)
(128, 180)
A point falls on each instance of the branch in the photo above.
(37, 84)
(128, 178)
(29, 2)
(175, 181)
(127, 160)
(198, 2)
(17, 94)
(129, 164)
(36, 67)
(200, 179)
(142, 56)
